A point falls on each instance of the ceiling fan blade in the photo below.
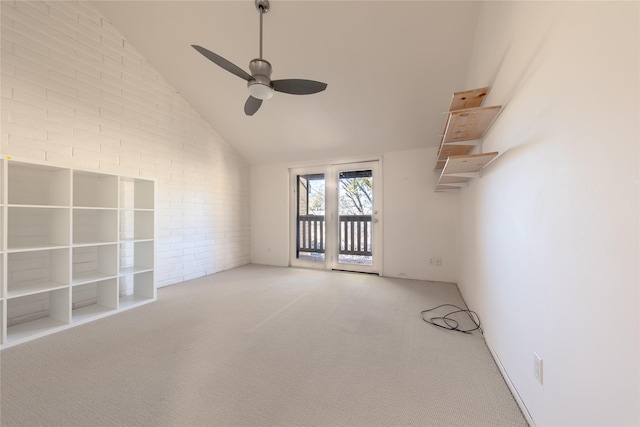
(221, 62)
(298, 86)
(252, 105)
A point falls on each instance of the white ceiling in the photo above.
(390, 66)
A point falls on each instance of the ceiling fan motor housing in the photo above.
(260, 83)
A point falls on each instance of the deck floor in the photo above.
(342, 259)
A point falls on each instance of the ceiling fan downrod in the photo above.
(259, 85)
(263, 7)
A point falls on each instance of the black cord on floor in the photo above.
(447, 322)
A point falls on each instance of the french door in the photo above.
(336, 220)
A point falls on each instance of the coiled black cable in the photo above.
(447, 322)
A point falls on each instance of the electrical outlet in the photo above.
(438, 261)
(430, 261)
(537, 367)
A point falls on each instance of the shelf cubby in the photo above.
(135, 289)
(38, 185)
(37, 271)
(143, 225)
(136, 257)
(37, 227)
(37, 314)
(94, 299)
(94, 190)
(136, 194)
(94, 263)
(94, 226)
(136, 225)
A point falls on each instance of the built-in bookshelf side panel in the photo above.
(3, 242)
(3, 321)
(3, 248)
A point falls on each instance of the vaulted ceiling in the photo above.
(390, 66)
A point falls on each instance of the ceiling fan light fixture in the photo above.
(260, 85)
(260, 90)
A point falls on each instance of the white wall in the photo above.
(549, 242)
(418, 223)
(75, 93)
(270, 215)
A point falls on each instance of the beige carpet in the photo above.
(259, 346)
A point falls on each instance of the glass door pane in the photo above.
(355, 213)
(310, 218)
(356, 225)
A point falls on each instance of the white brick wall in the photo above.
(75, 93)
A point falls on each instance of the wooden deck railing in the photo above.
(355, 234)
(311, 233)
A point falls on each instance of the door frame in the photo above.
(293, 211)
(329, 169)
(376, 223)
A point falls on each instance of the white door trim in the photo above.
(331, 171)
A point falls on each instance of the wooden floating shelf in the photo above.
(465, 125)
(468, 99)
(467, 164)
(460, 169)
(462, 127)
(447, 151)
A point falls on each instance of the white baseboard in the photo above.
(512, 387)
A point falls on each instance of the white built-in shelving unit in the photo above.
(76, 246)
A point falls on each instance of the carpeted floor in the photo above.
(260, 346)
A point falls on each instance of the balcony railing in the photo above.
(355, 234)
(311, 233)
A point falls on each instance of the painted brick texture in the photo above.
(75, 93)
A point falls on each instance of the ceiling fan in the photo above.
(259, 82)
